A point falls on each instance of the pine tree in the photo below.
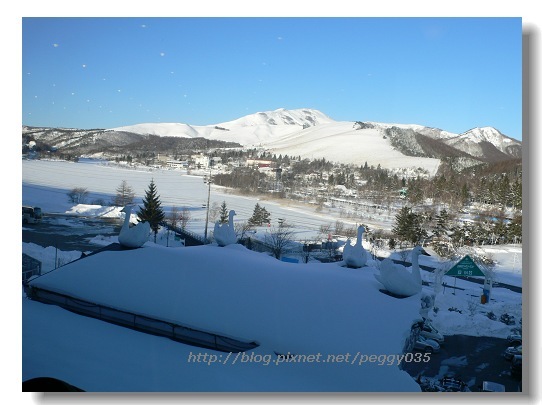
(465, 194)
(442, 223)
(392, 243)
(402, 224)
(415, 193)
(515, 229)
(152, 211)
(223, 213)
(265, 216)
(516, 195)
(259, 216)
(408, 226)
(254, 220)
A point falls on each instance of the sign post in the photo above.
(488, 284)
(465, 268)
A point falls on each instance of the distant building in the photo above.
(177, 164)
(162, 159)
(259, 163)
(216, 160)
(201, 161)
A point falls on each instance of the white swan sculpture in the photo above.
(355, 256)
(225, 234)
(135, 236)
(397, 279)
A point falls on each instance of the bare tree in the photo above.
(185, 217)
(179, 218)
(339, 227)
(403, 254)
(472, 306)
(279, 238)
(325, 230)
(125, 195)
(214, 210)
(78, 195)
(173, 217)
(242, 228)
(351, 232)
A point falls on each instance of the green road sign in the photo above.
(465, 267)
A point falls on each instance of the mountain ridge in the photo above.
(310, 133)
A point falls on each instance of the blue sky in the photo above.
(449, 73)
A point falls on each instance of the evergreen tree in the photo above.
(340, 179)
(515, 229)
(265, 216)
(152, 211)
(500, 231)
(403, 223)
(254, 220)
(516, 195)
(419, 234)
(223, 213)
(408, 226)
(392, 243)
(259, 216)
(442, 223)
(465, 194)
(415, 193)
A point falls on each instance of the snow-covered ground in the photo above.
(45, 184)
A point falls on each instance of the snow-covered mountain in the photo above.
(251, 130)
(481, 141)
(310, 133)
(299, 131)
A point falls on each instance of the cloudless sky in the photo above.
(449, 73)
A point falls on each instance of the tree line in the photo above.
(498, 184)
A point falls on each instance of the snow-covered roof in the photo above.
(306, 309)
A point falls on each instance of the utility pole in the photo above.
(207, 180)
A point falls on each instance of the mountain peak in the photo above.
(282, 116)
(485, 134)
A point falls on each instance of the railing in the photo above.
(141, 323)
(191, 238)
(31, 267)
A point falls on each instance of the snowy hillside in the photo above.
(161, 129)
(250, 130)
(340, 142)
